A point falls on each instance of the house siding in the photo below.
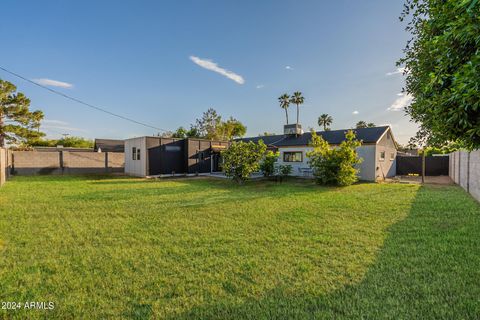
(366, 168)
(136, 168)
(385, 168)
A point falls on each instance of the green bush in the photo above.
(334, 166)
(241, 159)
(267, 166)
(284, 170)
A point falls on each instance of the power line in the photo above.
(80, 101)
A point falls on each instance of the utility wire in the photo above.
(80, 101)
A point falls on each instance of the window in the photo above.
(173, 148)
(138, 154)
(296, 156)
(382, 156)
(392, 156)
(134, 153)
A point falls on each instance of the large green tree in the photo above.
(211, 126)
(17, 123)
(242, 159)
(442, 63)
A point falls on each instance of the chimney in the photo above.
(293, 129)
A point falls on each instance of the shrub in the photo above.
(285, 169)
(241, 159)
(267, 166)
(334, 166)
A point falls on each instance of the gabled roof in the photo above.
(366, 135)
(109, 145)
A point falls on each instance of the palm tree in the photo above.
(297, 99)
(284, 100)
(325, 121)
(362, 124)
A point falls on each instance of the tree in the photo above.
(284, 100)
(325, 121)
(267, 166)
(334, 166)
(363, 124)
(265, 133)
(210, 126)
(241, 159)
(230, 129)
(207, 124)
(17, 123)
(181, 133)
(297, 99)
(442, 63)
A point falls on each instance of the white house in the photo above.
(378, 149)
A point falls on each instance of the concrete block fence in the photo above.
(465, 171)
(66, 162)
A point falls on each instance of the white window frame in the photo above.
(301, 156)
(380, 158)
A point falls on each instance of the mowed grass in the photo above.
(113, 248)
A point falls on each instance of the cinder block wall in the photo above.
(33, 162)
(465, 171)
(3, 166)
(116, 161)
(66, 162)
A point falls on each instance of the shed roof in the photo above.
(366, 135)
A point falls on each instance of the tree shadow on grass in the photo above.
(428, 268)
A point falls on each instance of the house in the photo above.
(378, 149)
(109, 145)
(155, 156)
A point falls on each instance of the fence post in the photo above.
(106, 162)
(60, 159)
(468, 173)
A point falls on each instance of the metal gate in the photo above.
(434, 166)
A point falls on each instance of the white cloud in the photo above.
(53, 83)
(355, 112)
(212, 66)
(54, 122)
(260, 86)
(288, 67)
(400, 70)
(54, 125)
(401, 102)
(400, 94)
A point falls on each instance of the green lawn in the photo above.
(208, 249)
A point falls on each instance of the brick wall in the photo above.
(465, 171)
(66, 162)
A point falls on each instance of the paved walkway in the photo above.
(428, 179)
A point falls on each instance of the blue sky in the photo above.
(149, 60)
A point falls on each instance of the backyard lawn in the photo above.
(103, 247)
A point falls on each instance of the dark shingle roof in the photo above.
(109, 145)
(366, 135)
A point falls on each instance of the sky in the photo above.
(164, 63)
